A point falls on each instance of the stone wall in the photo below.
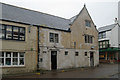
(29, 46)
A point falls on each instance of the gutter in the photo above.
(35, 25)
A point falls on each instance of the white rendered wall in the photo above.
(114, 37)
(119, 36)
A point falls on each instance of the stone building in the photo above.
(33, 40)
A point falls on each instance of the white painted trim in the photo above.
(4, 57)
(18, 58)
(12, 60)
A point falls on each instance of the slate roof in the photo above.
(106, 28)
(73, 18)
(17, 14)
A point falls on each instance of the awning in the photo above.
(109, 49)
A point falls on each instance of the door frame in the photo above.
(55, 63)
(92, 59)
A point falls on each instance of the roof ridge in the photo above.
(77, 15)
(108, 25)
(106, 28)
(73, 16)
(34, 11)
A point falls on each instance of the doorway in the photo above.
(53, 60)
(92, 59)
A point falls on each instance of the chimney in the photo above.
(116, 20)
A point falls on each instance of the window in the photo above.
(8, 58)
(102, 35)
(54, 37)
(100, 44)
(11, 58)
(22, 34)
(1, 58)
(15, 33)
(104, 44)
(15, 58)
(2, 31)
(85, 53)
(44, 52)
(12, 32)
(88, 39)
(41, 60)
(21, 59)
(8, 32)
(76, 54)
(51, 37)
(102, 56)
(87, 23)
(91, 39)
(66, 52)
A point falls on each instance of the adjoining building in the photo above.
(109, 43)
(33, 40)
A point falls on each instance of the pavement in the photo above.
(103, 71)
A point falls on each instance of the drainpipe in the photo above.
(38, 50)
(75, 55)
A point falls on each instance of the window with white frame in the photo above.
(12, 58)
(54, 37)
(8, 58)
(102, 35)
(104, 44)
(21, 58)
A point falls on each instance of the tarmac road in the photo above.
(103, 71)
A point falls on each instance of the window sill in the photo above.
(88, 27)
(89, 43)
(12, 66)
(54, 42)
(12, 40)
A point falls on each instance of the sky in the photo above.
(103, 12)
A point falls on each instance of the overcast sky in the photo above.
(102, 12)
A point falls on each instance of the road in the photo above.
(103, 71)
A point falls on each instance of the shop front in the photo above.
(109, 55)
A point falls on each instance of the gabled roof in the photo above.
(17, 14)
(73, 18)
(107, 28)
